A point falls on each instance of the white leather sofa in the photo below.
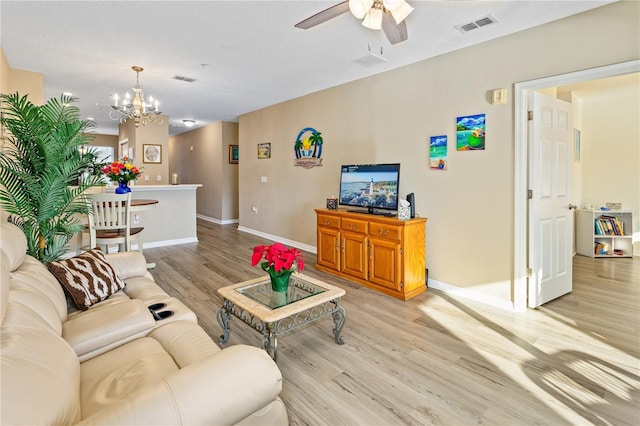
(114, 364)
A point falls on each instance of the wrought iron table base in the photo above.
(271, 330)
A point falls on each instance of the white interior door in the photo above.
(550, 209)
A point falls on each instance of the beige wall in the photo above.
(4, 73)
(389, 117)
(202, 156)
(611, 151)
(24, 82)
(152, 133)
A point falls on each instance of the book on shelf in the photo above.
(608, 225)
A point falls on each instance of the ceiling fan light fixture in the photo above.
(359, 8)
(189, 123)
(373, 19)
(400, 12)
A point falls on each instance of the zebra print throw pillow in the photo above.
(88, 278)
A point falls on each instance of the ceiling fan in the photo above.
(375, 14)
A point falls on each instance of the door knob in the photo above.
(572, 207)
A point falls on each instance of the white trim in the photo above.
(521, 91)
(218, 221)
(166, 243)
(275, 238)
(142, 187)
(471, 295)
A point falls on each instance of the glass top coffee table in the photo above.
(273, 313)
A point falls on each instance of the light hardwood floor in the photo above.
(437, 359)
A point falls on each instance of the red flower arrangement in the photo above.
(279, 259)
(121, 170)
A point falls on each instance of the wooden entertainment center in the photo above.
(383, 253)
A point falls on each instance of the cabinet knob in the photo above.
(383, 232)
(327, 222)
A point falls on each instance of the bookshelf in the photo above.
(604, 233)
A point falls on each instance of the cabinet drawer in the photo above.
(328, 221)
(382, 230)
(354, 225)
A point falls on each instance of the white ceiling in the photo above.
(245, 55)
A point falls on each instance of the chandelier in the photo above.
(137, 109)
(370, 11)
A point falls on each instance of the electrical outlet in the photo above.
(158, 178)
(136, 219)
(263, 179)
(146, 178)
(254, 209)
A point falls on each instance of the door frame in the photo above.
(521, 161)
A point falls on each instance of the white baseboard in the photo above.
(218, 221)
(166, 243)
(301, 246)
(472, 295)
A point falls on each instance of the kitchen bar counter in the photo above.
(171, 221)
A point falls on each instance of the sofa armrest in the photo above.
(128, 264)
(221, 389)
(100, 329)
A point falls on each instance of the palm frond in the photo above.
(38, 161)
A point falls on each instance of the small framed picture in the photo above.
(264, 150)
(233, 154)
(151, 153)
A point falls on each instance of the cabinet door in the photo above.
(385, 263)
(354, 254)
(329, 247)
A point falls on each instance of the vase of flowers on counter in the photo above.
(122, 172)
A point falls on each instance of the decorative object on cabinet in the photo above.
(152, 153)
(264, 150)
(308, 148)
(234, 154)
(470, 132)
(332, 203)
(438, 152)
(604, 233)
(382, 253)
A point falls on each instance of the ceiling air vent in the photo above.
(464, 28)
(370, 60)
(183, 78)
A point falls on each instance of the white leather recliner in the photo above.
(114, 363)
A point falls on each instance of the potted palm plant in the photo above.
(38, 160)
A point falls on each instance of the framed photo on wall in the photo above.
(233, 154)
(151, 153)
(264, 150)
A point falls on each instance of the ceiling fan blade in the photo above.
(324, 16)
(394, 32)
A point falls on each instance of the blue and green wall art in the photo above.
(308, 148)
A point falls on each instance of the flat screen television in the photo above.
(370, 186)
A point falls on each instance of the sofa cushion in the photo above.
(88, 278)
(14, 244)
(118, 374)
(40, 372)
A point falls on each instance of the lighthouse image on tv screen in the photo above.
(374, 186)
